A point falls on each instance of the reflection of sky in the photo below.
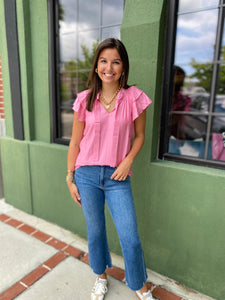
(196, 35)
(187, 5)
(196, 32)
(89, 21)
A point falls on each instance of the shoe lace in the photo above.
(148, 296)
(99, 288)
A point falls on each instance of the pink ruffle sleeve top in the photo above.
(107, 136)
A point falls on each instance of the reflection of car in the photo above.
(195, 125)
(66, 106)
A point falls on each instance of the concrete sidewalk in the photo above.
(40, 260)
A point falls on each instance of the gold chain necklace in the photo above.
(108, 104)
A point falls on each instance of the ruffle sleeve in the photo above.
(140, 102)
(80, 105)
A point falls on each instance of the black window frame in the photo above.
(53, 25)
(172, 15)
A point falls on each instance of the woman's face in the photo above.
(110, 66)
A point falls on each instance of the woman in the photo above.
(108, 133)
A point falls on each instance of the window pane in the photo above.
(67, 11)
(67, 46)
(187, 5)
(190, 100)
(111, 32)
(67, 30)
(187, 126)
(87, 40)
(68, 82)
(196, 35)
(88, 14)
(194, 148)
(219, 105)
(66, 123)
(218, 124)
(113, 12)
(82, 80)
(218, 142)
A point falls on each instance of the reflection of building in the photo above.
(180, 206)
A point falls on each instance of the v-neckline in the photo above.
(108, 112)
(116, 103)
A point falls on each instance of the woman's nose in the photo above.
(109, 67)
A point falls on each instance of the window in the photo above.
(193, 108)
(79, 27)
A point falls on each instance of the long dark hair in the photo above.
(94, 82)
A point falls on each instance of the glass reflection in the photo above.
(67, 11)
(113, 12)
(184, 5)
(218, 138)
(88, 14)
(196, 34)
(66, 124)
(67, 46)
(188, 119)
(111, 31)
(87, 41)
(82, 80)
(219, 104)
(81, 27)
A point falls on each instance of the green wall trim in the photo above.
(24, 34)
(40, 69)
(189, 168)
(5, 73)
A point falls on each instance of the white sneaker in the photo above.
(99, 289)
(144, 296)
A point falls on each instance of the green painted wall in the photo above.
(16, 173)
(51, 198)
(180, 208)
(5, 73)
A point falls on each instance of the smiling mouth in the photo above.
(108, 75)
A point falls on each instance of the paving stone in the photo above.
(72, 279)
(20, 254)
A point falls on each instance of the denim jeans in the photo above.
(94, 185)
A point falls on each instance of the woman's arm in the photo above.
(73, 151)
(124, 167)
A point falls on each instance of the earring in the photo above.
(123, 73)
(96, 70)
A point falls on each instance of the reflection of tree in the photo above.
(203, 72)
(61, 12)
(85, 65)
(75, 72)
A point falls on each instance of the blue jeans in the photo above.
(94, 185)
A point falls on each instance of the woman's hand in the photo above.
(74, 192)
(122, 170)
